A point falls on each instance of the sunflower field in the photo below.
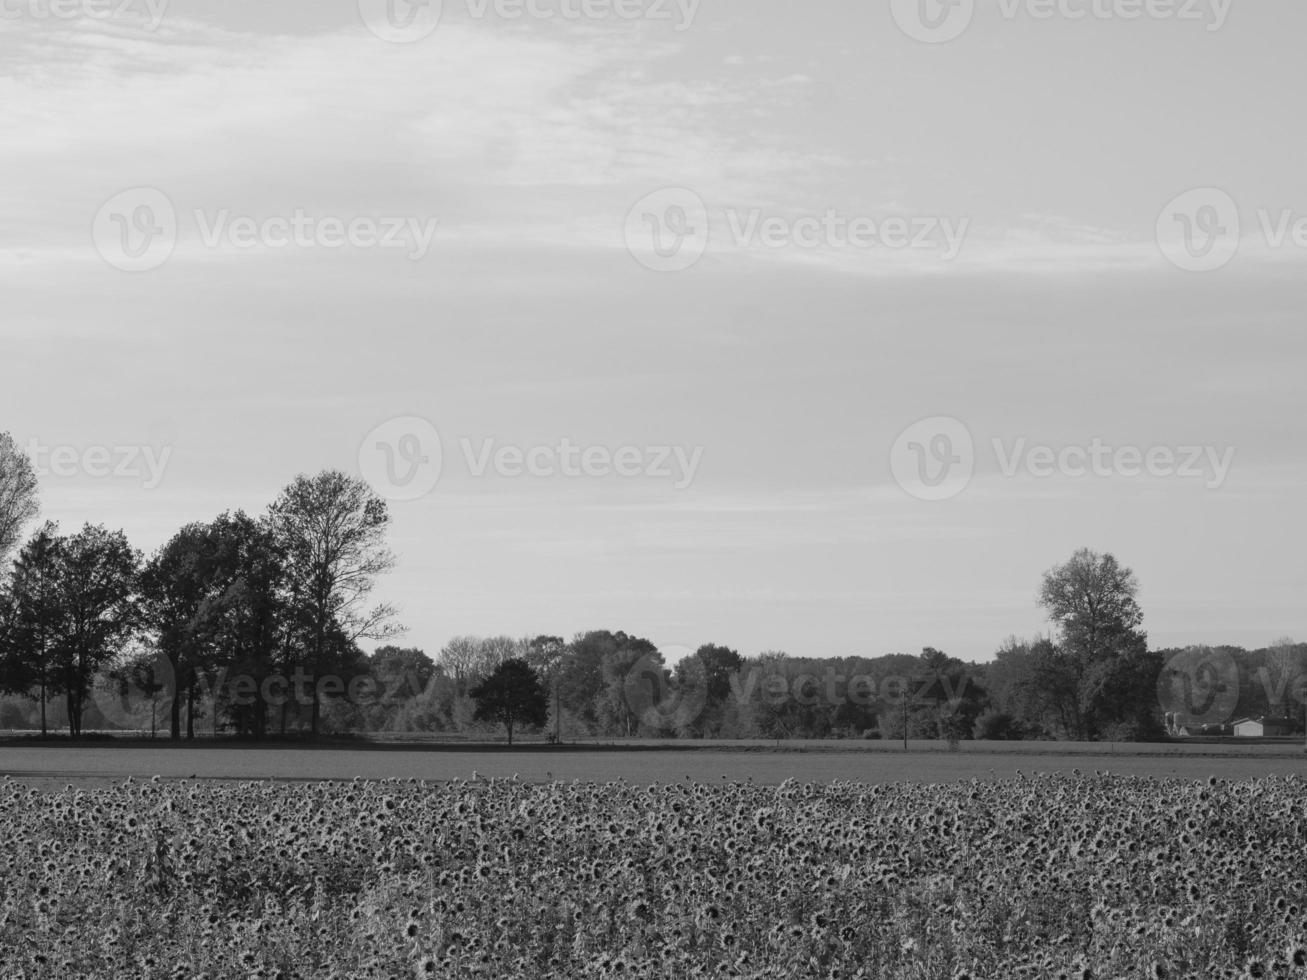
(1045, 876)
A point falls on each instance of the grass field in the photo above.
(812, 762)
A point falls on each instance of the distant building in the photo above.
(1262, 727)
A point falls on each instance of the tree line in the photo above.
(253, 625)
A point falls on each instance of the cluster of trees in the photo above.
(1094, 678)
(90, 625)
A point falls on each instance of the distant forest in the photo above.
(1024, 693)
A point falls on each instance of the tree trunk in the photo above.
(70, 699)
(175, 713)
(319, 641)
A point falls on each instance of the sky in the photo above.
(818, 328)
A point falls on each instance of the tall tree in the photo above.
(546, 655)
(253, 633)
(458, 658)
(332, 529)
(18, 494)
(1284, 676)
(1093, 600)
(512, 696)
(401, 671)
(182, 594)
(95, 573)
(29, 619)
(711, 667)
(951, 699)
(635, 681)
(592, 680)
(719, 665)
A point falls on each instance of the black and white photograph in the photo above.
(662, 489)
